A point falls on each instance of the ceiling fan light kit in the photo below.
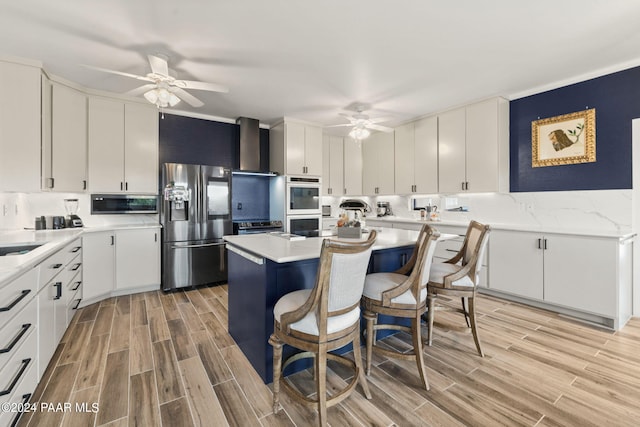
(161, 97)
(359, 133)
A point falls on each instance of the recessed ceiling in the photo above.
(312, 60)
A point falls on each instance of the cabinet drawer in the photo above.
(16, 331)
(74, 303)
(14, 374)
(17, 294)
(53, 265)
(21, 395)
(448, 248)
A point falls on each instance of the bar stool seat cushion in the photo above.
(377, 283)
(308, 324)
(441, 269)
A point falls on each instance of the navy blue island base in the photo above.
(255, 288)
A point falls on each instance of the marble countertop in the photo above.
(52, 240)
(617, 234)
(281, 250)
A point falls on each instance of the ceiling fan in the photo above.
(163, 89)
(362, 124)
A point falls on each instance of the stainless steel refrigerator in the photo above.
(195, 214)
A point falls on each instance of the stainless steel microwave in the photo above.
(109, 204)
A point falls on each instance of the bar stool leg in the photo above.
(277, 367)
(370, 318)
(357, 355)
(417, 349)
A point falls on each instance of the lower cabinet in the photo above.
(137, 258)
(588, 274)
(57, 299)
(119, 260)
(99, 264)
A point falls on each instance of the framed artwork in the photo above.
(564, 140)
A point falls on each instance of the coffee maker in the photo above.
(384, 209)
(71, 206)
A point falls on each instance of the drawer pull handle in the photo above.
(451, 250)
(56, 266)
(76, 249)
(58, 286)
(25, 363)
(77, 266)
(77, 286)
(25, 399)
(77, 304)
(15, 341)
(16, 301)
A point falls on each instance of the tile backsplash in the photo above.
(604, 210)
(18, 210)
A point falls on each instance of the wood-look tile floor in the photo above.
(157, 359)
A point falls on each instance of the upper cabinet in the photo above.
(20, 127)
(123, 147)
(352, 167)
(332, 165)
(295, 149)
(378, 164)
(65, 144)
(416, 157)
(473, 144)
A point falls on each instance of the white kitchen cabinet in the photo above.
(58, 274)
(65, 155)
(517, 264)
(123, 147)
(352, 167)
(20, 127)
(295, 149)
(332, 165)
(585, 274)
(137, 258)
(473, 144)
(98, 254)
(416, 157)
(378, 164)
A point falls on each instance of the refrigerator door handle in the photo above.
(204, 245)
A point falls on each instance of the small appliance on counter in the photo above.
(71, 206)
(355, 205)
(384, 209)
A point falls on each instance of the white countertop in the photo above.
(53, 240)
(621, 234)
(282, 250)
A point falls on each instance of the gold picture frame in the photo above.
(564, 140)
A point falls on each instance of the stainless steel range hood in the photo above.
(250, 147)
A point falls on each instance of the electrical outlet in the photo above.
(239, 207)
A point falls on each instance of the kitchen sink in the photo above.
(18, 248)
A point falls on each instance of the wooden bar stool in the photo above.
(402, 293)
(459, 277)
(322, 319)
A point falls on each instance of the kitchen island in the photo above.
(264, 267)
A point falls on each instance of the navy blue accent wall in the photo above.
(253, 193)
(616, 98)
(206, 142)
(198, 141)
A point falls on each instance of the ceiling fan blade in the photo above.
(380, 119)
(380, 128)
(337, 126)
(186, 97)
(140, 90)
(348, 117)
(190, 84)
(158, 65)
(119, 73)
